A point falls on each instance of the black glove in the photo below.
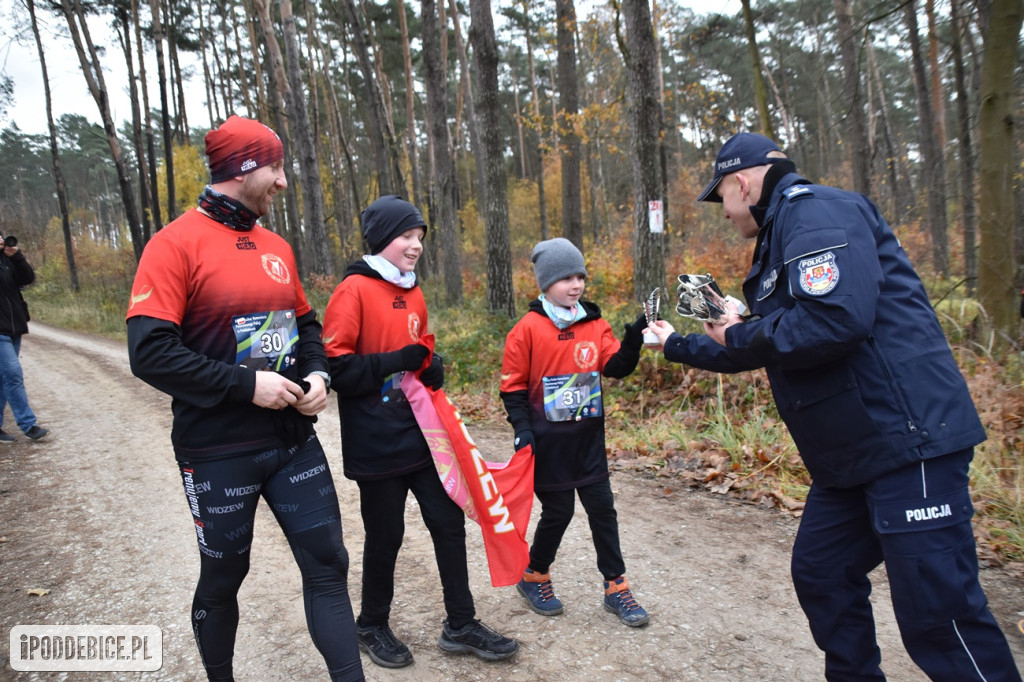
(433, 376)
(634, 337)
(409, 359)
(524, 438)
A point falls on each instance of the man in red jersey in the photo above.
(218, 320)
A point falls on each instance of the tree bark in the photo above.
(932, 162)
(140, 155)
(757, 71)
(538, 125)
(93, 72)
(444, 170)
(158, 42)
(389, 173)
(644, 115)
(309, 162)
(859, 152)
(500, 292)
(968, 206)
(568, 112)
(997, 290)
(58, 173)
(410, 107)
(466, 85)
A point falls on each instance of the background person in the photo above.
(215, 299)
(864, 378)
(15, 273)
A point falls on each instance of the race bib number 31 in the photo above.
(266, 340)
(571, 397)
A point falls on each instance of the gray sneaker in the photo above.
(6, 437)
(36, 432)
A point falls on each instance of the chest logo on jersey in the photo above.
(566, 336)
(585, 354)
(245, 244)
(414, 326)
(819, 275)
(276, 269)
(399, 303)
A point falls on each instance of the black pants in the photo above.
(297, 485)
(382, 503)
(557, 509)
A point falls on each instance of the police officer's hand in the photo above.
(662, 329)
(717, 331)
(315, 399)
(275, 392)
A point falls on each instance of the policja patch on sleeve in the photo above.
(819, 275)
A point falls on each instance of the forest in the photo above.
(517, 121)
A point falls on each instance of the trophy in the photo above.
(652, 306)
(700, 298)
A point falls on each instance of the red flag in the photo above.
(497, 495)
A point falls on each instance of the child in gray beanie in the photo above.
(551, 387)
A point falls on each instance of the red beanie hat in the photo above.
(240, 146)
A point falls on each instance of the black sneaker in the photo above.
(383, 647)
(477, 638)
(36, 432)
(6, 437)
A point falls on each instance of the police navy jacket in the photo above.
(860, 369)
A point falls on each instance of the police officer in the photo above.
(864, 378)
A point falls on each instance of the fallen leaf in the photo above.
(38, 592)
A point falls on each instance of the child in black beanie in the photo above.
(373, 328)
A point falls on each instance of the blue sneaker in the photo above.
(539, 593)
(6, 437)
(619, 600)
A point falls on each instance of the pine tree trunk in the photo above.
(500, 293)
(161, 70)
(309, 163)
(644, 114)
(538, 128)
(93, 72)
(410, 107)
(568, 110)
(997, 289)
(932, 161)
(58, 173)
(122, 12)
(856, 127)
(445, 181)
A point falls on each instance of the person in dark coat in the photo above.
(15, 274)
(864, 378)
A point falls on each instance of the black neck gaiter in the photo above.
(227, 210)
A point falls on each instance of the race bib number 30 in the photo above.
(266, 340)
(571, 397)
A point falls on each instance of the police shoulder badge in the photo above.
(819, 274)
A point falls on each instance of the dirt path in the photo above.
(95, 514)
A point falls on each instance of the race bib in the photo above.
(391, 391)
(266, 341)
(571, 397)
